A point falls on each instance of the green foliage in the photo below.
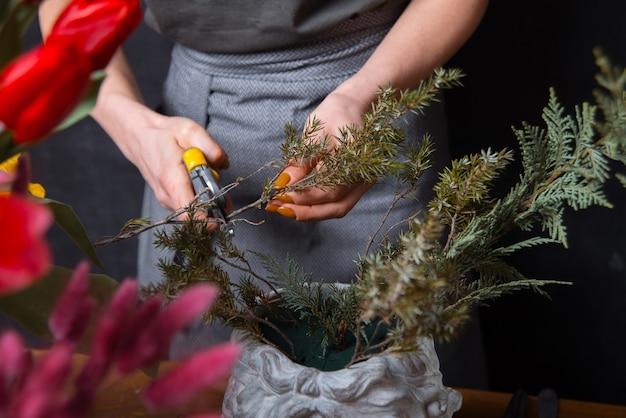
(332, 309)
(431, 286)
(371, 151)
(33, 306)
(450, 258)
(462, 191)
(193, 263)
(611, 100)
(68, 221)
(15, 17)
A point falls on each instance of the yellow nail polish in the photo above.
(286, 212)
(272, 208)
(282, 181)
(284, 198)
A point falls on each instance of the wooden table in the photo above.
(483, 404)
(121, 398)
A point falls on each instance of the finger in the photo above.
(332, 210)
(210, 222)
(313, 196)
(172, 188)
(318, 212)
(190, 134)
(290, 175)
(217, 157)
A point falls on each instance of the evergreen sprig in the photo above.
(369, 151)
(331, 309)
(450, 258)
(564, 164)
(611, 100)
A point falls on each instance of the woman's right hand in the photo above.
(154, 143)
(157, 153)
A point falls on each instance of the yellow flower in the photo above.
(10, 166)
(37, 190)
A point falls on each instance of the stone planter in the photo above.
(266, 383)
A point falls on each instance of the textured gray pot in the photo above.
(266, 383)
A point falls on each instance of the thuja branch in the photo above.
(564, 164)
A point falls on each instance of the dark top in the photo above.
(242, 26)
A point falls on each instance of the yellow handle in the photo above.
(193, 157)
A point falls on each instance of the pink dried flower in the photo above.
(127, 335)
(15, 365)
(73, 311)
(42, 392)
(5, 177)
(22, 175)
(109, 334)
(155, 333)
(184, 383)
(140, 348)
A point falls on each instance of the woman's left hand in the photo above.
(423, 38)
(337, 110)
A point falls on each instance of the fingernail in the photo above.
(272, 208)
(284, 198)
(286, 212)
(282, 181)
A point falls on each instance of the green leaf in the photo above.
(5, 7)
(68, 221)
(7, 148)
(32, 307)
(86, 104)
(15, 17)
(11, 43)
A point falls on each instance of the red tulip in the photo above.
(96, 27)
(40, 88)
(24, 252)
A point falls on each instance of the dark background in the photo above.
(573, 343)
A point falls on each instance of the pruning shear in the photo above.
(204, 180)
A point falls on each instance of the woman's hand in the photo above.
(157, 153)
(339, 109)
(425, 36)
(152, 142)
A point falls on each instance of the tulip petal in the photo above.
(115, 20)
(24, 252)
